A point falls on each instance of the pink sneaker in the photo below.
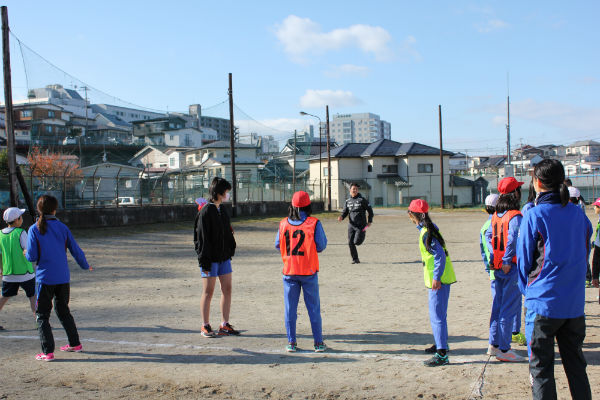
(76, 349)
(45, 357)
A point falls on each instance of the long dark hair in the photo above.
(551, 174)
(46, 205)
(532, 194)
(432, 230)
(218, 186)
(294, 212)
(509, 201)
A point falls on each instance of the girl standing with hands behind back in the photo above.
(552, 253)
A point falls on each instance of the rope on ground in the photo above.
(477, 391)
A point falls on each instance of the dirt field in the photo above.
(139, 321)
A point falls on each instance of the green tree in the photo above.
(4, 163)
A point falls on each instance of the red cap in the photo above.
(508, 185)
(418, 206)
(597, 202)
(300, 199)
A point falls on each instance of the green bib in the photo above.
(13, 260)
(486, 251)
(448, 276)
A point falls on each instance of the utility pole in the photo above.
(508, 129)
(8, 112)
(294, 169)
(328, 162)
(441, 155)
(232, 149)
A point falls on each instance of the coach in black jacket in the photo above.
(215, 245)
(356, 207)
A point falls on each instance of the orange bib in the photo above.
(298, 248)
(500, 236)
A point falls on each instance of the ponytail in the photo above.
(432, 230)
(564, 194)
(46, 205)
(42, 224)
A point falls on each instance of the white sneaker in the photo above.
(492, 351)
(509, 356)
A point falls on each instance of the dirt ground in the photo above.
(139, 321)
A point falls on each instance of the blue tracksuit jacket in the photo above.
(50, 252)
(552, 252)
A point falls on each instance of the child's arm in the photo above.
(439, 259)
(525, 247)
(76, 251)
(511, 241)
(320, 238)
(32, 246)
(483, 253)
(277, 240)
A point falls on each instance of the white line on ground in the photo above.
(333, 352)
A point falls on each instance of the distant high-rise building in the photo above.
(359, 128)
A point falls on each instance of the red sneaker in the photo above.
(75, 349)
(227, 329)
(45, 357)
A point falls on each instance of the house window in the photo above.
(50, 114)
(369, 168)
(172, 137)
(390, 169)
(425, 168)
(172, 162)
(326, 171)
(49, 128)
(26, 113)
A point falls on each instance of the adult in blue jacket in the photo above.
(552, 252)
(48, 240)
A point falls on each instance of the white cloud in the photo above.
(491, 25)
(570, 120)
(337, 71)
(408, 49)
(333, 98)
(302, 37)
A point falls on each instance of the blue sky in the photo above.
(398, 59)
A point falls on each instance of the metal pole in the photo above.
(232, 148)
(117, 199)
(294, 169)
(320, 168)
(328, 162)
(441, 155)
(508, 129)
(8, 112)
(94, 187)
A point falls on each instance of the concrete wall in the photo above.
(105, 217)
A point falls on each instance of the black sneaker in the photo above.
(436, 361)
(2, 328)
(433, 349)
(227, 329)
(357, 261)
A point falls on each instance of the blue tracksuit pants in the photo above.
(309, 284)
(509, 298)
(496, 312)
(438, 312)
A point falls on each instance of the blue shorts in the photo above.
(218, 269)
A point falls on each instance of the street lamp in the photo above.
(320, 152)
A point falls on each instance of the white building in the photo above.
(584, 148)
(358, 128)
(392, 173)
(266, 143)
(125, 113)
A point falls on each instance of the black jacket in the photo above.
(356, 207)
(213, 236)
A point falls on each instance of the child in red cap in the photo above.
(438, 274)
(299, 239)
(501, 236)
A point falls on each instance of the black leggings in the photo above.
(60, 294)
